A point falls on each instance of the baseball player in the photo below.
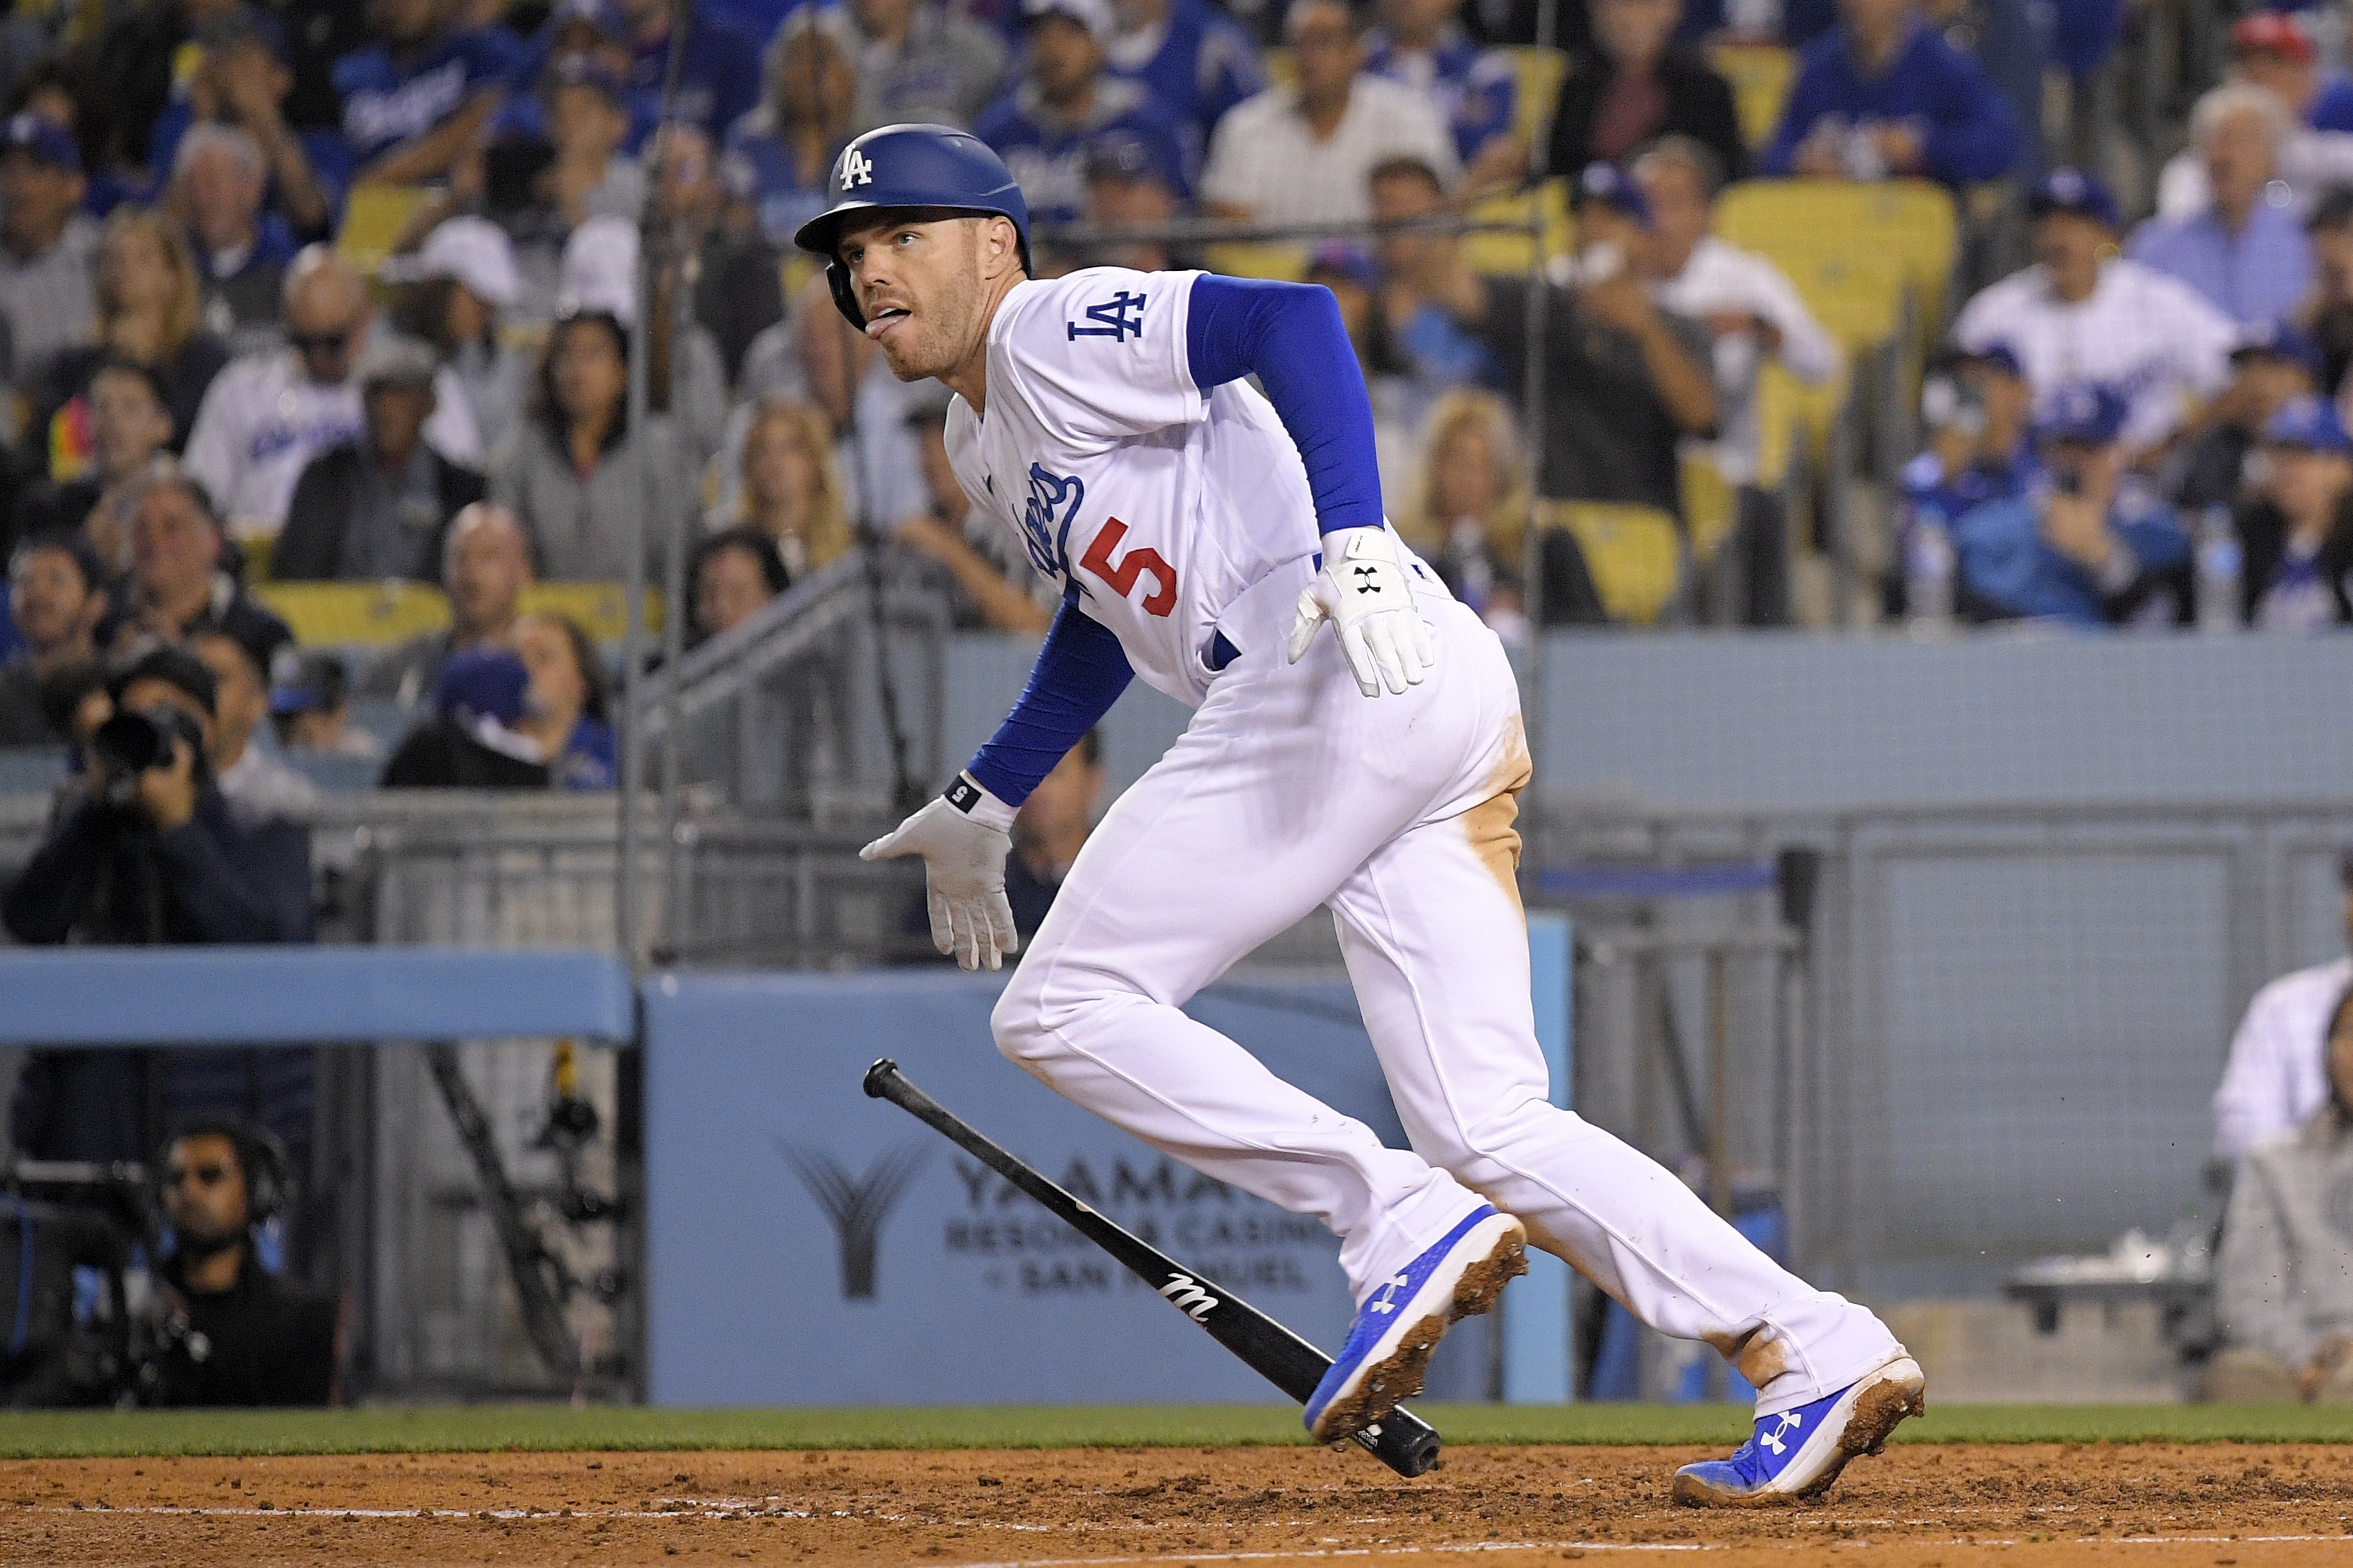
(1205, 535)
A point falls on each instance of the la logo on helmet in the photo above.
(857, 169)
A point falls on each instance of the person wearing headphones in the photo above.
(235, 1333)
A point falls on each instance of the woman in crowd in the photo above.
(790, 493)
(569, 471)
(458, 282)
(567, 706)
(1470, 517)
(1637, 85)
(150, 302)
(734, 573)
(776, 158)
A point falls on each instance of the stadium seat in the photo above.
(1852, 250)
(1760, 75)
(1633, 551)
(601, 609)
(1709, 505)
(1501, 253)
(1540, 72)
(1285, 263)
(370, 615)
(374, 218)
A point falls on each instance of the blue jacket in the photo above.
(1205, 66)
(1967, 130)
(387, 102)
(2008, 569)
(1049, 162)
(1930, 492)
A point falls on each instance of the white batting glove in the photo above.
(963, 838)
(1363, 593)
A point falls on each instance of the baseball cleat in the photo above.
(1798, 1453)
(1401, 1323)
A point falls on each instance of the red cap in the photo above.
(2271, 33)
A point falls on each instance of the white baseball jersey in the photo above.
(2278, 1072)
(1156, 502)
(2152, 338)
(263, 420)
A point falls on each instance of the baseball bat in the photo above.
(1401, 1440)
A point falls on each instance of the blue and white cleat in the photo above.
(1397, 1328)
(1798, 1453)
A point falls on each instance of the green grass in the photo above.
(537, 1427)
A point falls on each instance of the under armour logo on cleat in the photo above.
(1774, 1439)
(1367, 580)
(1386, 1300)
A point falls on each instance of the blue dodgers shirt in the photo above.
(1476, 89)
(1049, 162)
(1967, 132)
(1197, 67)
(387, 102)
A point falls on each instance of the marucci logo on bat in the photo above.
(1191, 1299)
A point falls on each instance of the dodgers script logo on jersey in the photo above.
(1046, 519)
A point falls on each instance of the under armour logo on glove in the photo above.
(1367, 580)
(1386, 645)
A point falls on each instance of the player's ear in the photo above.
(1001, 246)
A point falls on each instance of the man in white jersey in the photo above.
(1203, 533)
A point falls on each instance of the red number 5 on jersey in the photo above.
(1122, 575)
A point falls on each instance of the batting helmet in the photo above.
(910, 166)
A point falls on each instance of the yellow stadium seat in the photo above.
(1792, 414)
(1760, 75)
(1632, 550)
(1285, 263)
(601, 609)
(374, 216)
(376, 614)
(1504, 253)
(1709, 505)
(1852, 250)
(1540, 72)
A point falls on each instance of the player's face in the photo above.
(919, 285)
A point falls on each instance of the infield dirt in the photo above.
(1919, 1506)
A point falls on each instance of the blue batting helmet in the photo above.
(910, 166)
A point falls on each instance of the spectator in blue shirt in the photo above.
(2085, 545)
(2246, 251)
(416, 103)
(1977, 408)
(1192, 58)
(1066, 99)
(1882, 97)
(776, 158)
(720, 80)
(242, 80)
(1421, 45)
(2274, 52)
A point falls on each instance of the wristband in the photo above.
(964, 793)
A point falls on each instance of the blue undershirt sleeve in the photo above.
(1080, 673)
(1290, 336)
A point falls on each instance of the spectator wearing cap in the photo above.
(776, 158)
(569, 469)
(48, 251)
(1417, 270)
(915, 63)
(1305, 154)
(1193, 59)
(150, 311)
(1064, 100)
(1477, 89)
(2272, 50)
(2296, 532)
(474, 739)
(1754, 317)
(1626, 381)
(2275, 1078)
(2082, 313)
(176, 586)
(242, 250)
(2272, 365)
(2246, 252)
(154, 858)
(1130, 184)
(2327, 313)
(268, 415)
(2089, 545)
(310, 707)
(415, 100)
(485, 567)
(56, 596)
(454, 287)
(720, 82)
(1978, 411)
(732, 574)
(128, 423)
(1636, 85)
(241, 83)
(374, 509)
(1883, 96)
(598, 275)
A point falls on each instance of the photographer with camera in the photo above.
(145, 854)
(233, 1332)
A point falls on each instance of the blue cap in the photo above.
(2310, 422)
(481, 683)
(1343, 258)
(2001, 357)
(581, 69)
(2277, 339)
(2084, 412)
(1612, 187)
(1118, 155)
(2075, 191)
(48, 142)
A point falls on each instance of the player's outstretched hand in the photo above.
(1364, 592)
(964, 881)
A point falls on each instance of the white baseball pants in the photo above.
(1291, 789)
